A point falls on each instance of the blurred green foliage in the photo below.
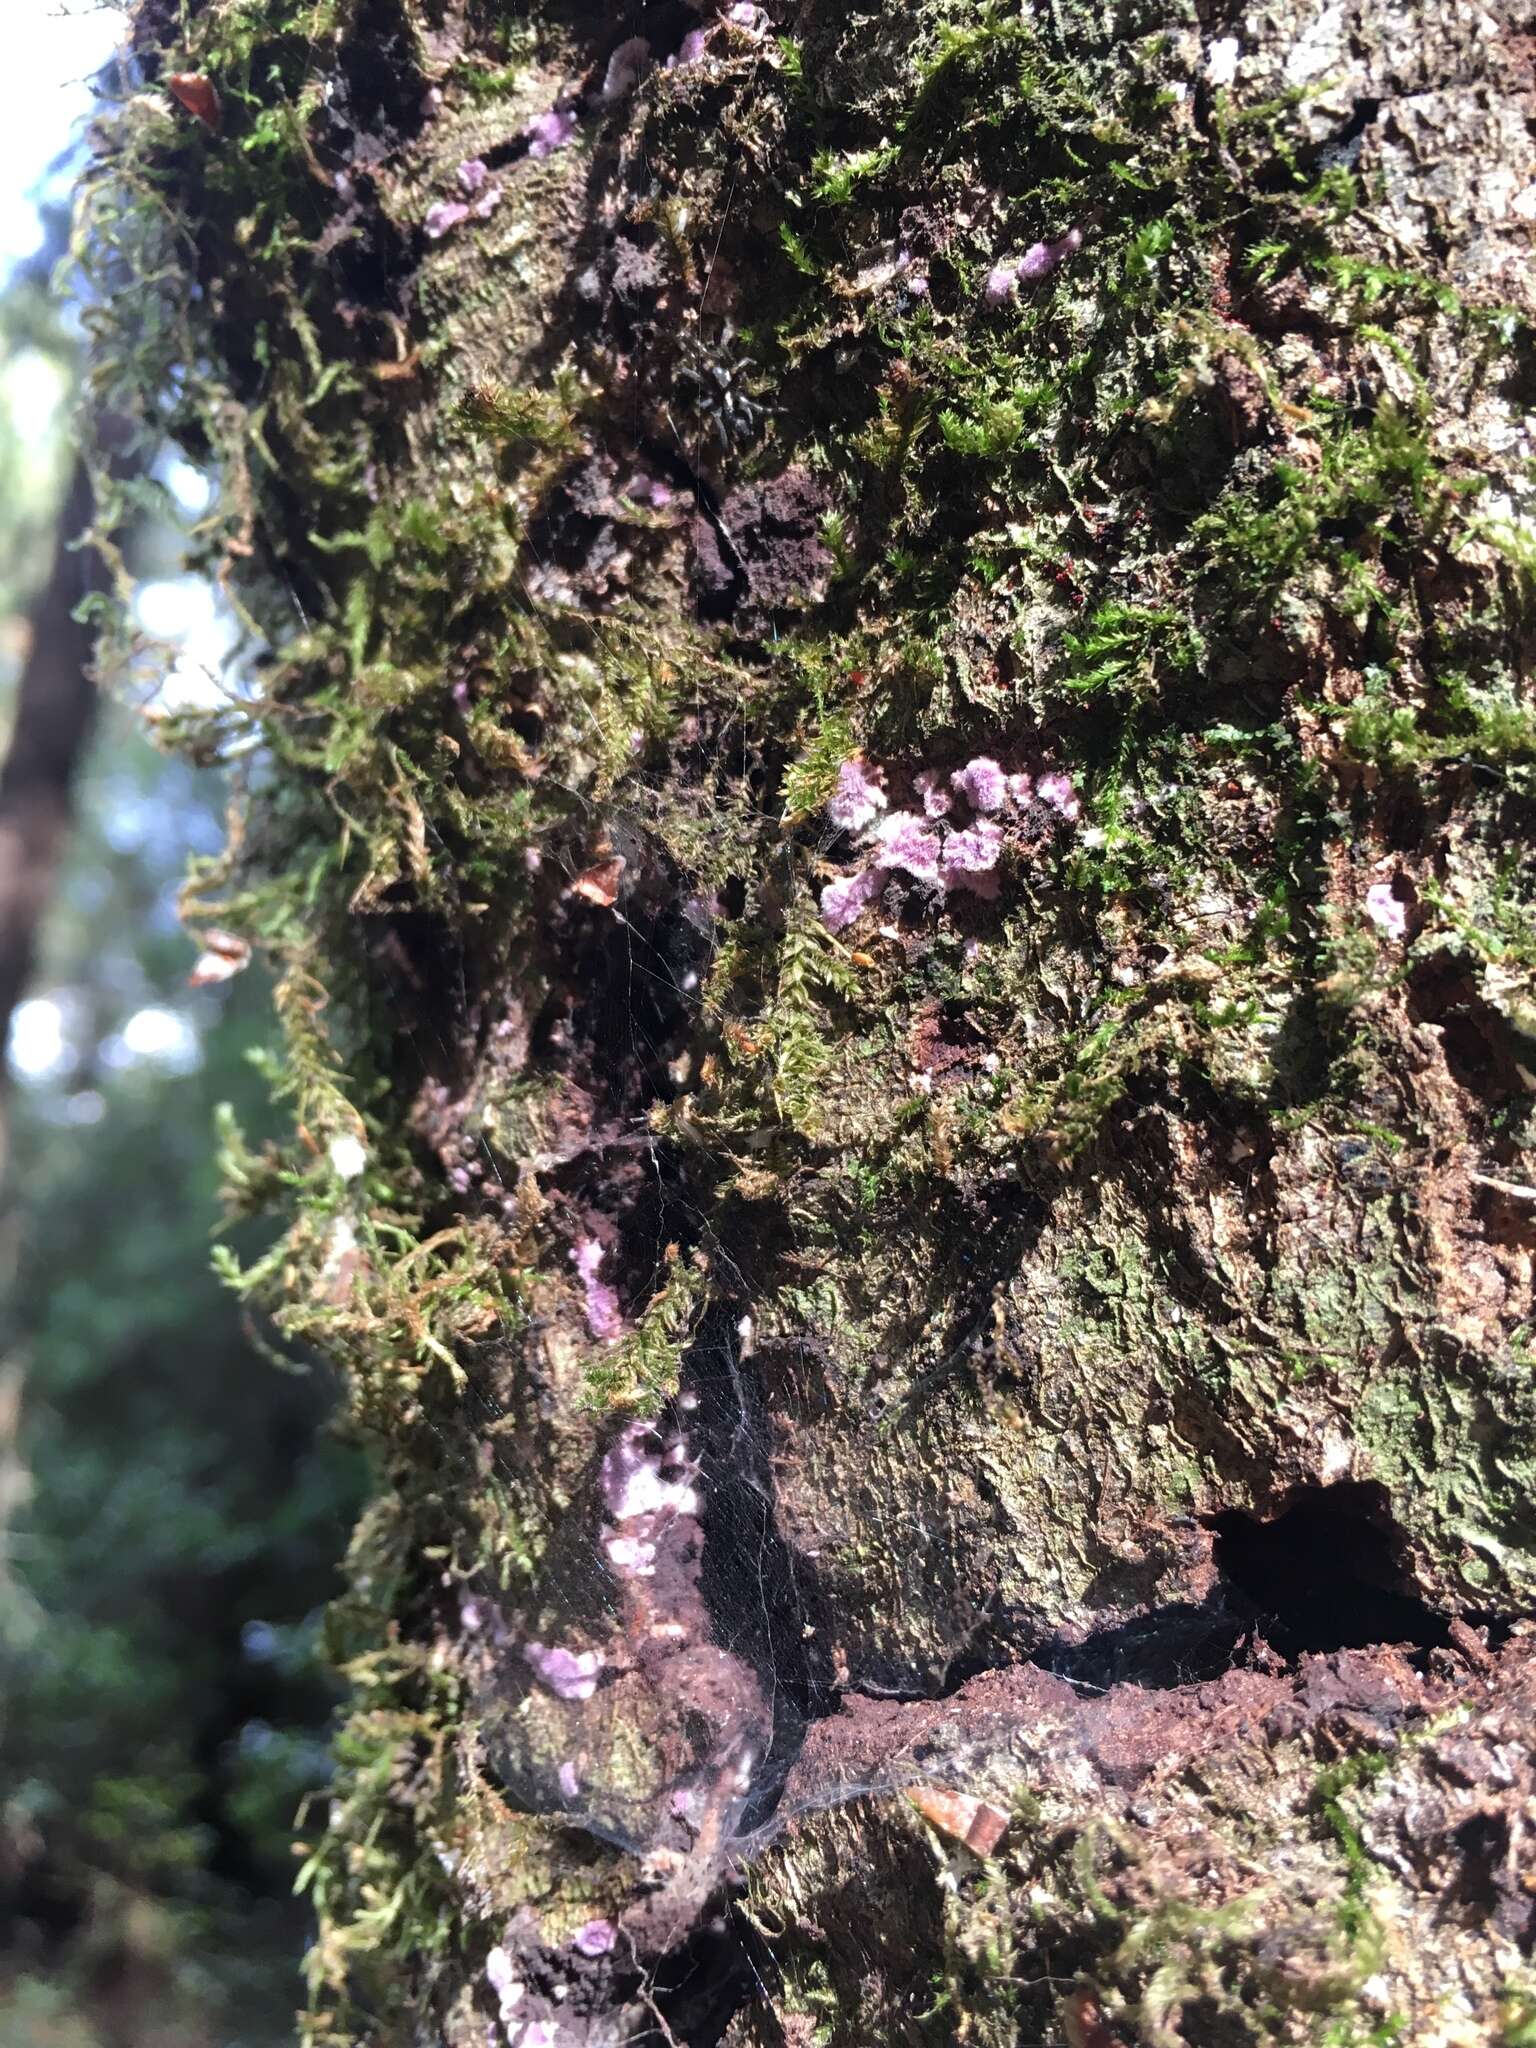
(171, 1504)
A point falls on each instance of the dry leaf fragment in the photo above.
(971, 1821)
(223, 955)
(599, 884)
(197, 94)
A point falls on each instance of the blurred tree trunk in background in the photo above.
(171, 1515)
(893, 809)
(55, 706)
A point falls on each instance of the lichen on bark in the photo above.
(895, 763)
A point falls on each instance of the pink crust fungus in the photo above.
(508, 1988)
(446, 214)
(550, 131)
(1041, 258)
(1038, 261)
(999, 284)
(632, 1479)
(481, 201)
(632, 1557)
(982, 783)
(1057, 791)
(596, 1938)
(1386, 910)
(937, 802)
(858, 797)
(969, 858)
(905, 845)
(569, 1674)
(916, 281)
(604, 1318)
(842, 901)
(933, 848)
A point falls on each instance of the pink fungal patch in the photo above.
(1385, 909)
(937, 802)
(842, 901)
(633, 1482)
(1038, 260)
(631, 1556)
(906, 845)
(482, 201)
(508, 1987)
(604, 1317)
(569, 1674)
(982, 783)
(596, 1938)
(445, 215)
(999, 284)
(971, 853)
(1042, 258)
(858, 798)
(550, 131)
(1057, 791)
(939, 848)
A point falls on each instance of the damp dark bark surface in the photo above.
(892, 796)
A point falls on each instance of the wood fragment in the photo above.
(599, 884)
(973, 1822)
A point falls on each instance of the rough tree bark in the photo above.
(897, 764)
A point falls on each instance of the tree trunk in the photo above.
(55, 708)
(897, 764)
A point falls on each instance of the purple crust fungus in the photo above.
(982, 783)
(858, 797)
(1386, 909)
(481, 200)
(550, 131)
(1038, 261)
(596, 1938)
(934, 849)
(604, 1317)
(569, 1674)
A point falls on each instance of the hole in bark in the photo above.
(1325, 1573)
(1484, 1054)
(700, 1986)
(1343, 148)
(1180, 1644)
